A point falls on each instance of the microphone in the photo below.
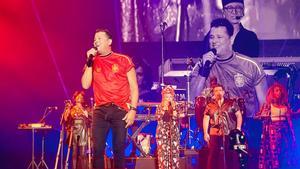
(214, 50)
(89, 62)
(163, 25)
(208, 62)
(238, 17)
(205, 70)
(170, 108)
(91, 55)
(52, 108)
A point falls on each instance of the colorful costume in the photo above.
(167, 133)
(277, 140)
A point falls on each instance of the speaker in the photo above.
(141, 163)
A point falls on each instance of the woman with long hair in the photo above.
(278, 139)
(167, 132)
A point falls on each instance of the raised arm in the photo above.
(197, 85)
(87, 77)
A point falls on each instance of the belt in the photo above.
(105, 105)
(109, 105)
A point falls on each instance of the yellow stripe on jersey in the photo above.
(249, 60)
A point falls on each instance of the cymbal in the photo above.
(148, 104)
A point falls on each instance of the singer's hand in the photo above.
(206, 137)
(209, 56)
(129, 118)
(90, 57)
(92, 51)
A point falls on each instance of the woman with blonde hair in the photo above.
(167, 132)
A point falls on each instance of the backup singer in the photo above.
(220, 116)
(167, 131)
(77, 118)
(113, 78)
(278, 139)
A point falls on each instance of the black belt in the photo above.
(110, 104)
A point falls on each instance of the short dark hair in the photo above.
(217, 85)
(222, 22)
(106, 31)
(225, 2)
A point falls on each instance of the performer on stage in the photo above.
(77, 118)
(241, 76)
(167, 131)
(243, 41)
(278, 139)
(115, 88)
(221, 116)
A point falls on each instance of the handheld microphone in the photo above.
(170, 108)
(91, 55)
(89, 62)
(238, 17)
(208, 62)
(163, 25)
(213, 50)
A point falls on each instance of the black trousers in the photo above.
(216, 157)
(104, 118)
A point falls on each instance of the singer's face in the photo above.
(277, 93)
(168, 97)
(102, 42)
(218, 93)
(79, 98)
(234, 12)
(220, 40)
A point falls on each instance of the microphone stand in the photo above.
(222, 128)
(190, 66)
(162, 29)
(46, 113)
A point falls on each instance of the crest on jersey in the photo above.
(239, 80)
(115, 68)
(98, 69)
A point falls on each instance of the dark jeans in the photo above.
(216, 154)
(104, 118)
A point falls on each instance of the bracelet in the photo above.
(132, 108)
(89, 62)
(204, 71)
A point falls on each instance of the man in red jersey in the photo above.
(113, 78)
